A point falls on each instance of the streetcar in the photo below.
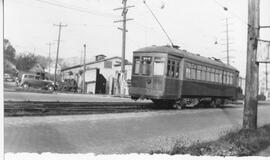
(173, 77)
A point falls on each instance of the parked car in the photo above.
(8, 78)
(69, 85)
(31, 80)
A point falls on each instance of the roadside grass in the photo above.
(237, 143)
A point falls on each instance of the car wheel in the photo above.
(25, 86)
(51, 88)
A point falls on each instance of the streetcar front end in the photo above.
(148, 76)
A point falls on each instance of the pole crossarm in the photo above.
(263, 61)
(128, 19)
(121, 8)
(263, 40)
(121, 29)
(264, 26)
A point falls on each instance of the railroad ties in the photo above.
(25, 108)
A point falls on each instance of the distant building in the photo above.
(38, 70)
(101, 75)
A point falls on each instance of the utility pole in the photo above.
(227, 40)
(84, 69)
(124, 30)
(58, 44)
(252, 70)
(49, 44)
(266, 68)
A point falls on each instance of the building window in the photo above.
(108, 64)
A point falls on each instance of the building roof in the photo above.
(94, 62)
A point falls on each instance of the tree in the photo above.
(9, 51)
(43, 61)
(26, 61)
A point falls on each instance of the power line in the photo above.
(232, 13)
(75, 8)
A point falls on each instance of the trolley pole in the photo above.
(57, 53)
(252, 70)
(84, 68)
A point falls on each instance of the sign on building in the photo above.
(263, 55)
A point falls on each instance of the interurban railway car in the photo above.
(169, 76)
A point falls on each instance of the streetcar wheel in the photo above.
(213, 104)
(179, 104)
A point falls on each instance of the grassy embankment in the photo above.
(238, 143)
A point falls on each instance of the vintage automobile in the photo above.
(31, 80)
(68, 85)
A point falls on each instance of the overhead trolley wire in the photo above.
(83, 10)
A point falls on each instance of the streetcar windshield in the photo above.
(158, 66)
(146, 65)
(136, 65)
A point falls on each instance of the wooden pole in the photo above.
(252, 69)
(84, 69)
(227, 40)
(57, 51)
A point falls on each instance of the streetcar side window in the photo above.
(168, 68)
(158, 66)
(216, 76)
(199, 72)
(136, 65)
(203, 73)
(220, 76)
(208, 74)
(187, 70)
(177, 70)
(212, 75)
(225, 77)
(231, 79)
(146, 65)
(173, 69)
(193, 71)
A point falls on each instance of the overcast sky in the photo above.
(194, 25)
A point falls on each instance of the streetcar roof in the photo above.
(183, 53)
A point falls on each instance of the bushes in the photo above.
(239, 143)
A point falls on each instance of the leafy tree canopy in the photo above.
(44, 61)
(9, 51)
(26, 61)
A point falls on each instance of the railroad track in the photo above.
(26, 108)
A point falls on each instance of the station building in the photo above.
(102, 76)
